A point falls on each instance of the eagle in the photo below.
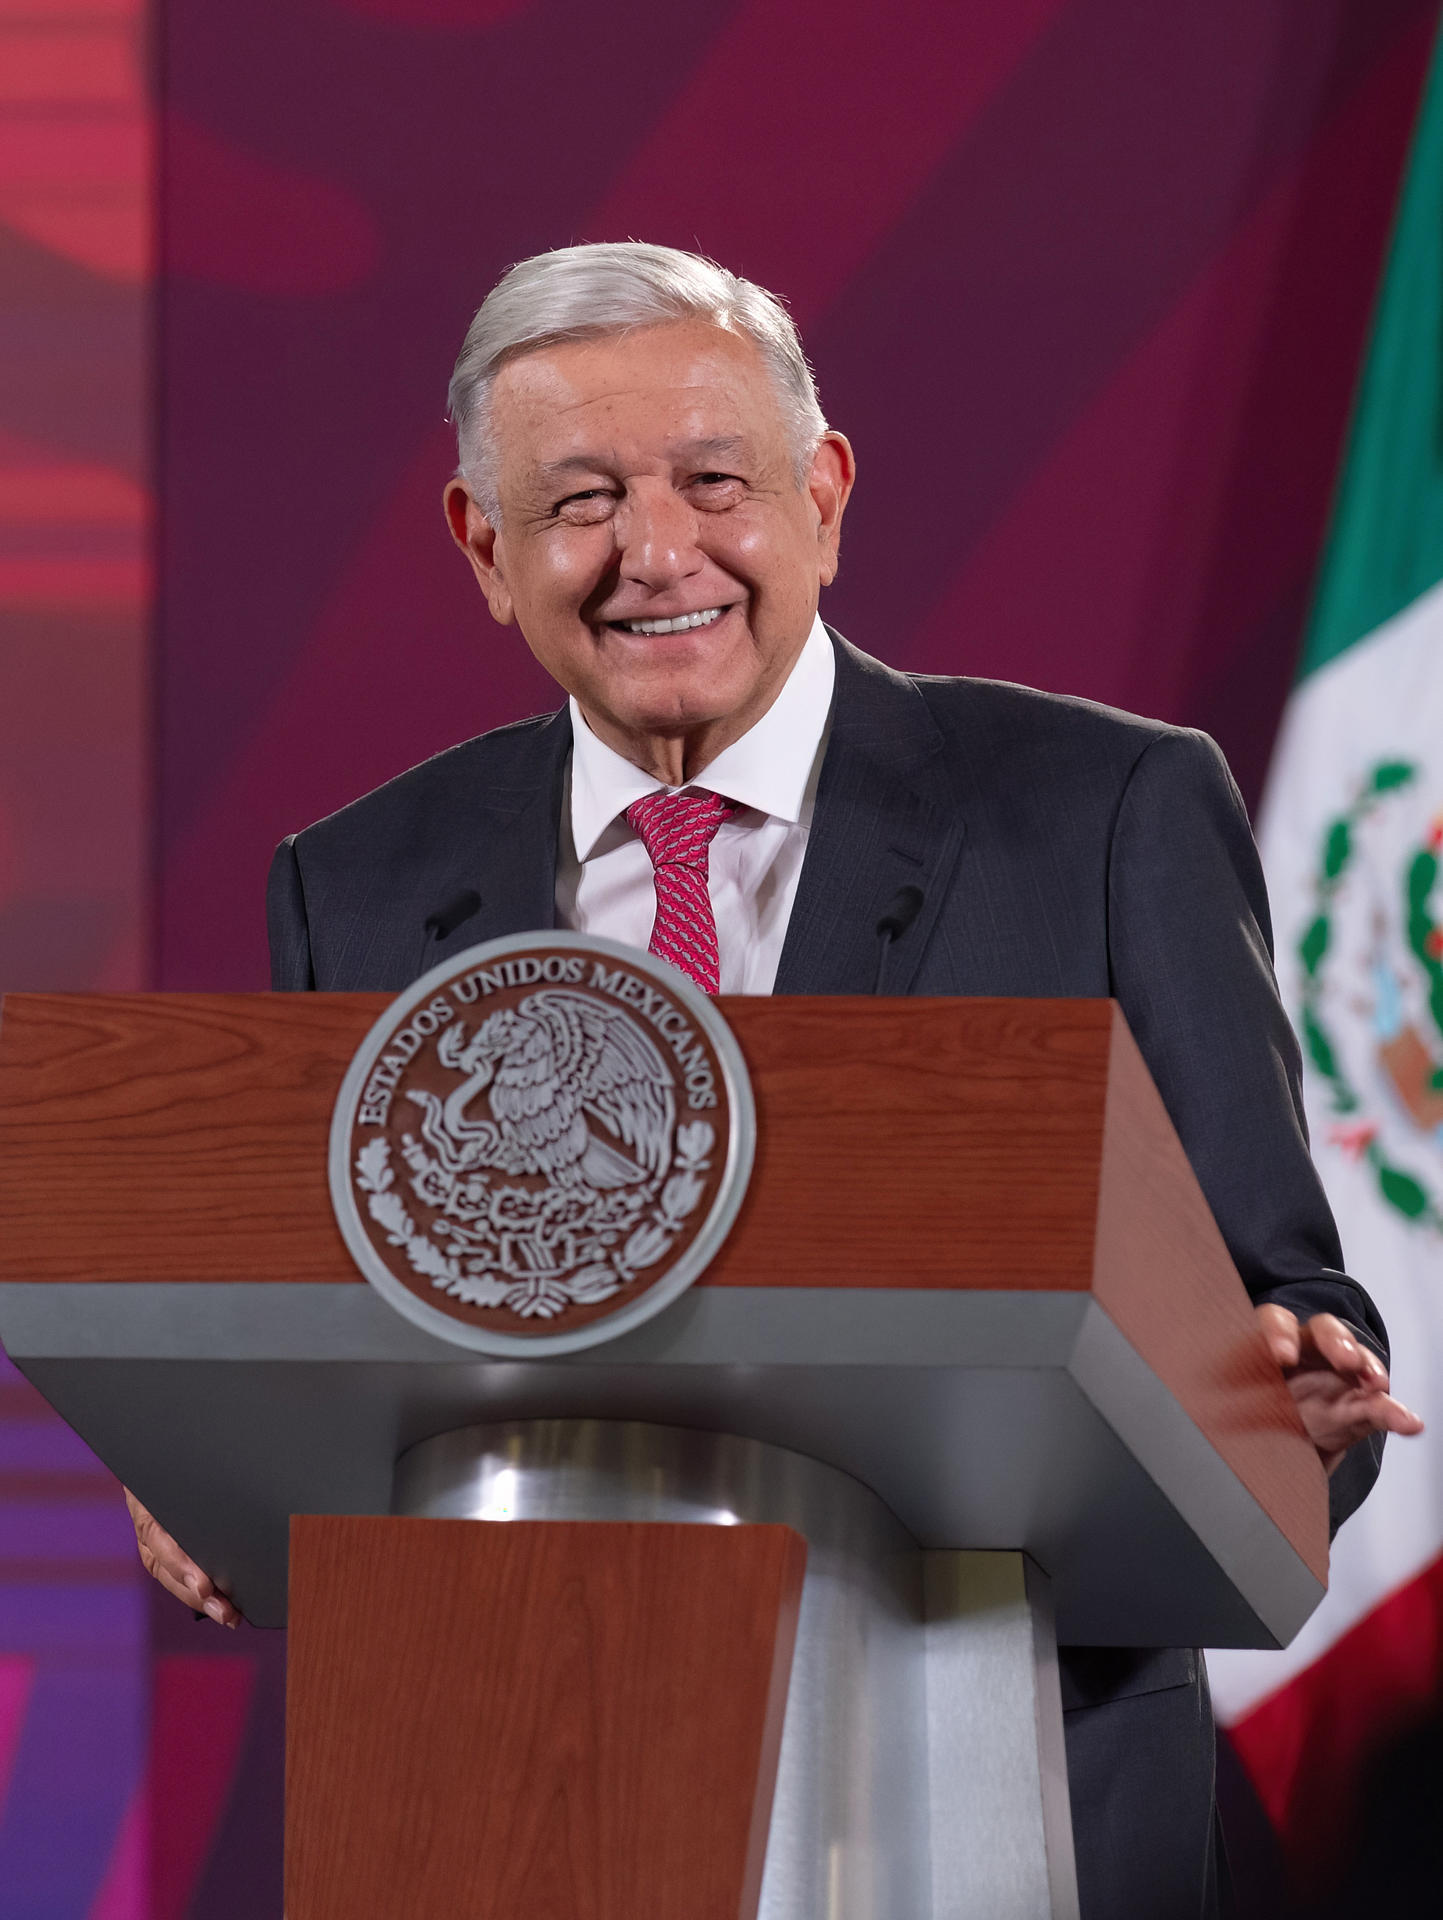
(556, 1069)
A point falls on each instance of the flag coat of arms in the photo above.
(1351, 832)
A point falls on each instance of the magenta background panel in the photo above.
(1085, 281)
(76, 191)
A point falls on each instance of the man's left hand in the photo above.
(1340, 1386)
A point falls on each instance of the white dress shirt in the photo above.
(604, 878)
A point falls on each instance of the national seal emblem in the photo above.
(541, 1143)
(1370, 961)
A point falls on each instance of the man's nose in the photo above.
(656, 537)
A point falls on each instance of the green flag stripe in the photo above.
(1385, 546)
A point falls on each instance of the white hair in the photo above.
(585, 293)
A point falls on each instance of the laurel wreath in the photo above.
(542, 1295)
(1398, 1187)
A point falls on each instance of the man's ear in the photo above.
(476, 537)
(834, 468)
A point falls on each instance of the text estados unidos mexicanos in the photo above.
(556, 969)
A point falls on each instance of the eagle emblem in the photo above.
(1370, 996)
(538, 1135)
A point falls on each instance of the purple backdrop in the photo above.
(1085, 280)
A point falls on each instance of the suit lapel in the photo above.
(886, 816)
(507, 856)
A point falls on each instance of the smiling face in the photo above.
(656, 547)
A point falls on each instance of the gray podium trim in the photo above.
(705, 1362)
(1189, 1473)
(711, 1326)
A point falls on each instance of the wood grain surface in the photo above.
(172, 1136)
(1163, 1275)
(914, 1143)
(533, 1721)
(901, 1143)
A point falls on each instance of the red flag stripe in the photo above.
(1308, 1748)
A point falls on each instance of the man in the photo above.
(649, 490)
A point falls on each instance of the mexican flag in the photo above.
(1351, 832)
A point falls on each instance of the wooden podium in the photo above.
(972, 1369)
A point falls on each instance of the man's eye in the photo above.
(723, 487)
(593, 503)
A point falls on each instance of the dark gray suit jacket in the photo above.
(1061, 848)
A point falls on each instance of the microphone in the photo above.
(445, 920)
(905, 906)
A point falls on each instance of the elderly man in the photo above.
(649, 490)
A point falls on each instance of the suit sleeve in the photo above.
(1190, 958)
(287, 924)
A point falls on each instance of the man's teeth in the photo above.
(679, 625)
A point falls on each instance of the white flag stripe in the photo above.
(1378, 704)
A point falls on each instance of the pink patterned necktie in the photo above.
(677, 830)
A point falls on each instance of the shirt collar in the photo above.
(768, 768)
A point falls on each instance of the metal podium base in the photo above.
(921, 1774)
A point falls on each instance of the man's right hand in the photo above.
(164, 1561)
